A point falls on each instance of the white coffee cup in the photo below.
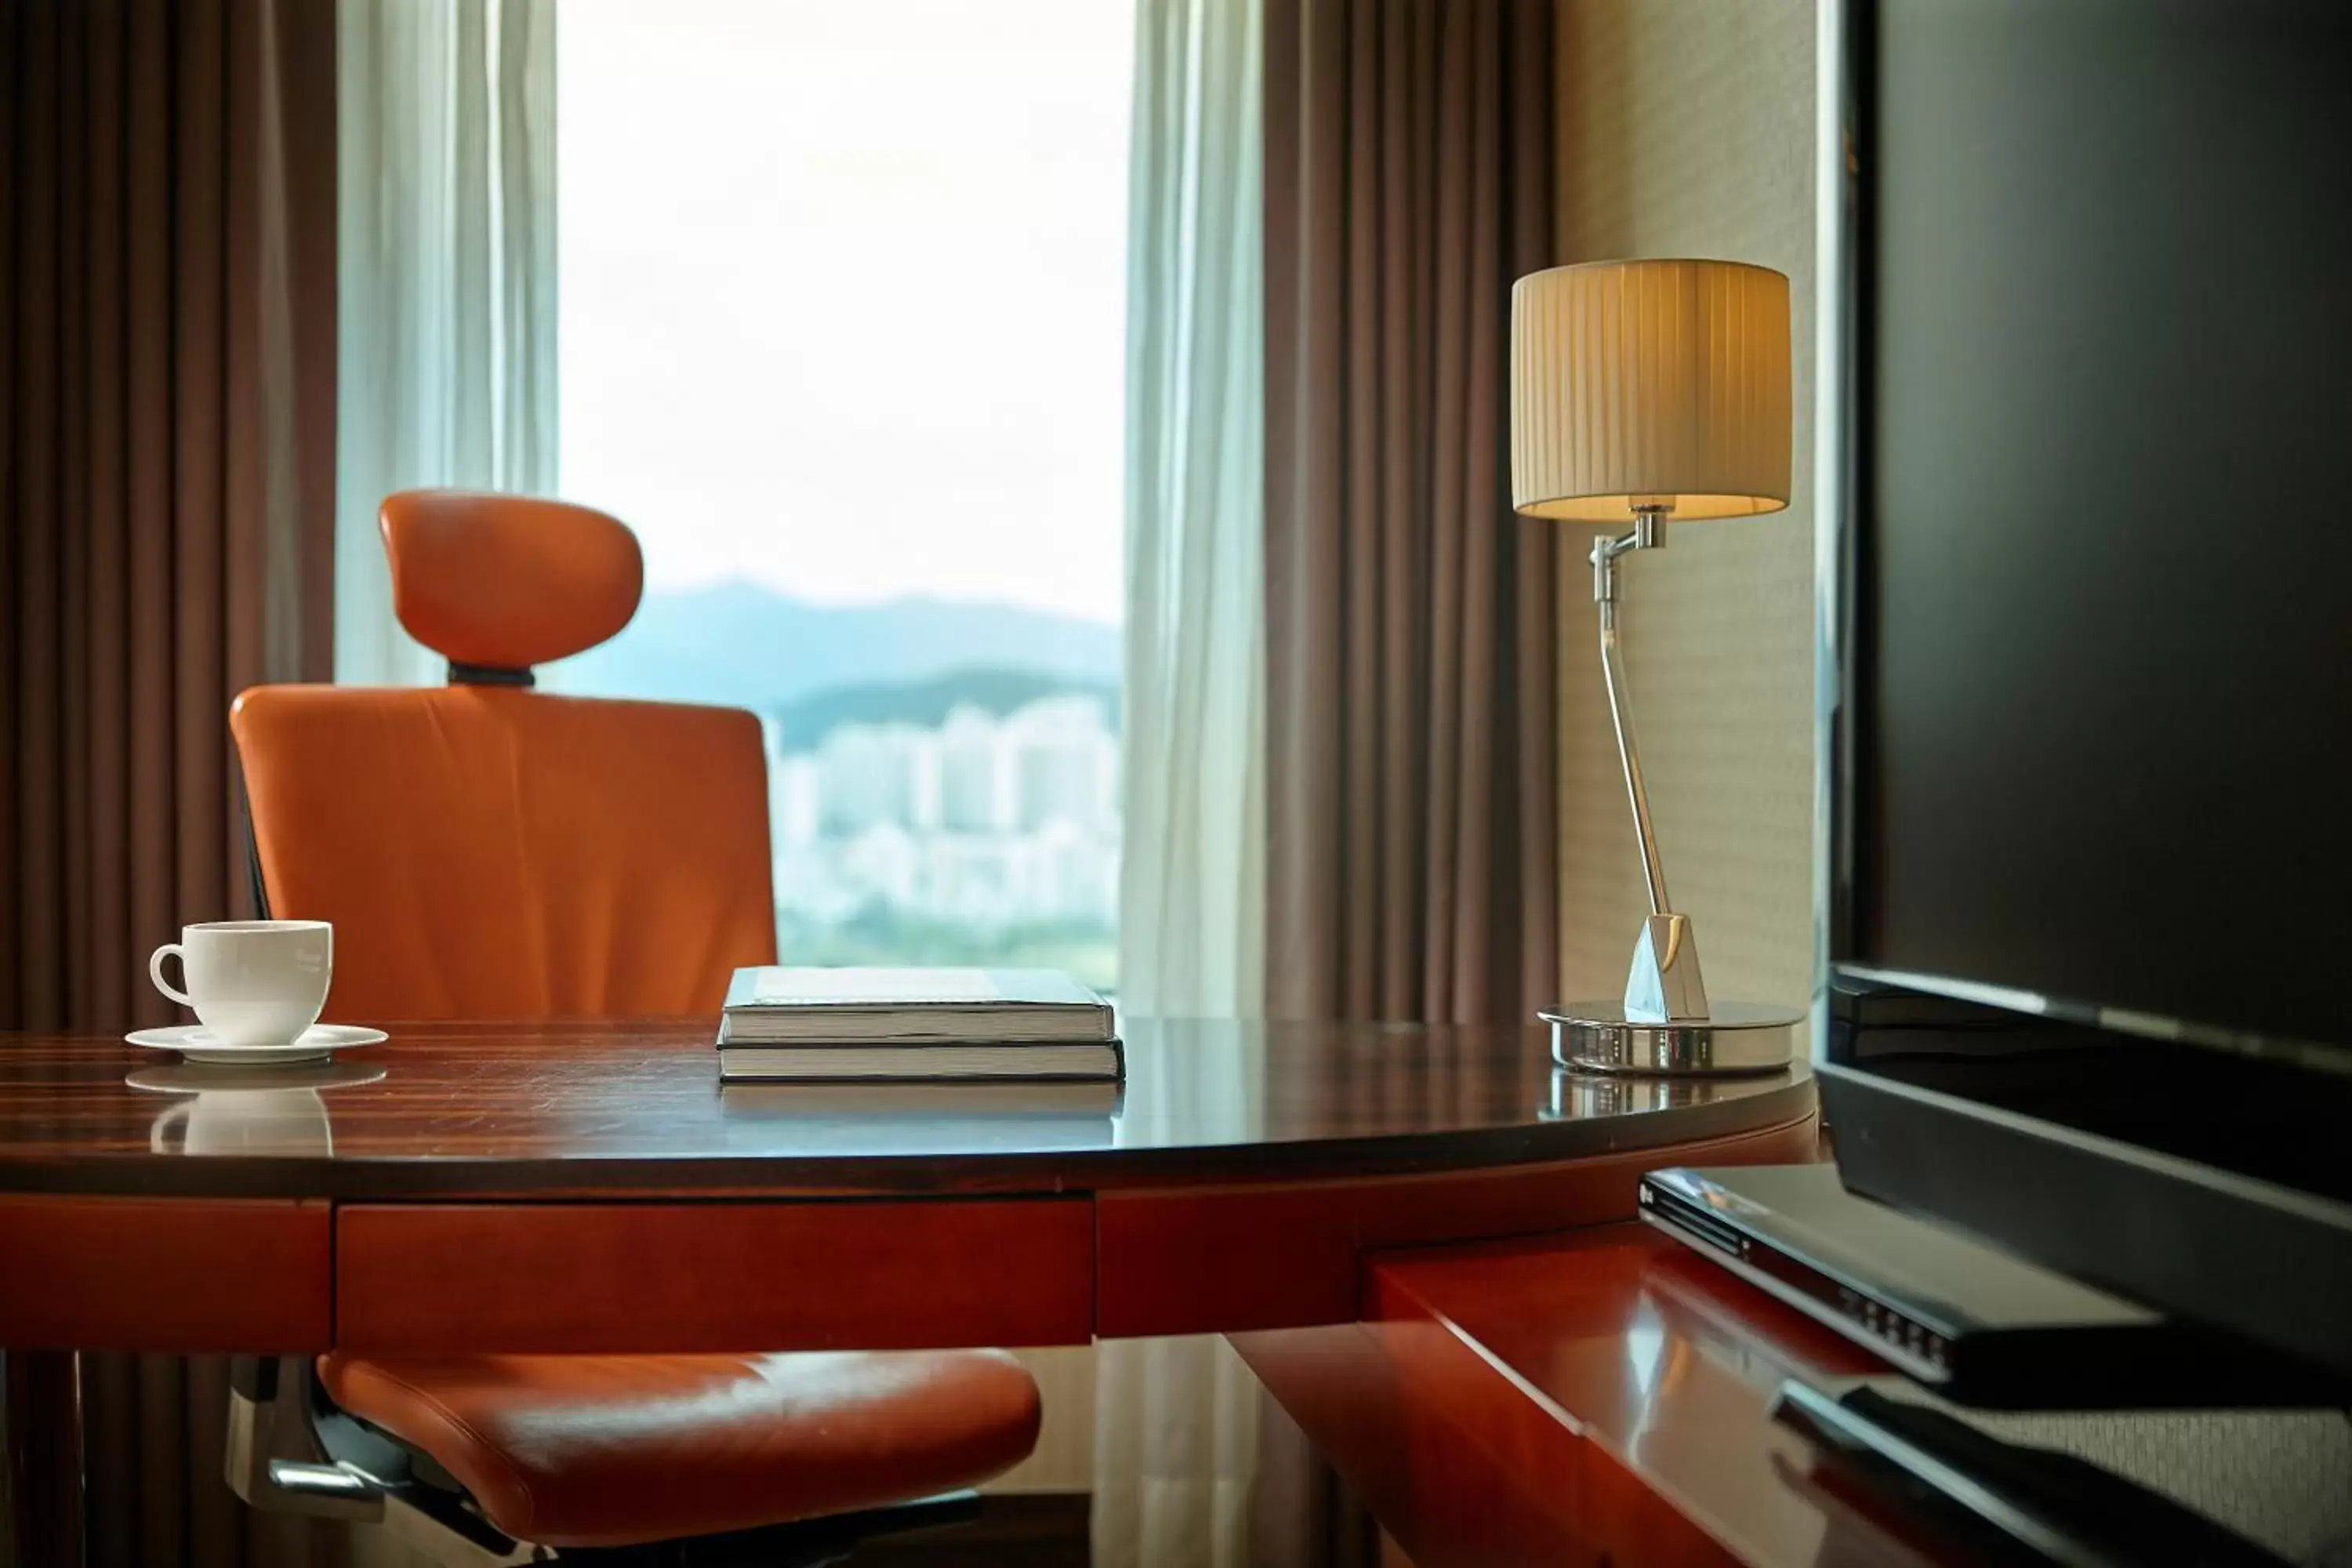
(252, 983)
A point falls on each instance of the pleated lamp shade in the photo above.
(1650, 382)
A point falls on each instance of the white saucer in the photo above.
(197, 1044)
(266, 1078)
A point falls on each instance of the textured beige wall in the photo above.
(1685, 128)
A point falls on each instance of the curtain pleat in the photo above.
(1410, 770)
(167, 321)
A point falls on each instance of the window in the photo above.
(842, 330)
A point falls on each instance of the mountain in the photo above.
(927, 703)
(748, 646)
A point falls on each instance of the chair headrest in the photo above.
(501, 583)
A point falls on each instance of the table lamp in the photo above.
(1643, 392)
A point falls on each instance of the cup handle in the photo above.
(155, 972)
(158, 1139)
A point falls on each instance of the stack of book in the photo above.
(795, 1025)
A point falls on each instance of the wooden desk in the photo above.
(590, 1187)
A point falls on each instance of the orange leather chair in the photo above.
(488, 851)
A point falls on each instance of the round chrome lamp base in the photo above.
(1735, 1038)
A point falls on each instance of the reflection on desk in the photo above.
(248, 1109)
(924, 1118)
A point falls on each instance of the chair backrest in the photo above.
(487, 850)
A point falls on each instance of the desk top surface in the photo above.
(614, 1108)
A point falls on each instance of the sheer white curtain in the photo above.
(1176, 1420)
(1192, 894)
(447, 315)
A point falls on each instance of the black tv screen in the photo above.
(2107, 648)
(2088, 747)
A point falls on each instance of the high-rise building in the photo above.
(1066, 762)
(976, 777)
(870, 774)
(984, 821)
(1069, 873)
(793, 799)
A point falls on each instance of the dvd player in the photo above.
(1980, 1326)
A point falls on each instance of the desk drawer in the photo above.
(165, 1273)
(586, 1279)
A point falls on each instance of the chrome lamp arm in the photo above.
(1665, 984)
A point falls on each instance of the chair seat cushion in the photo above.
(618, 1451)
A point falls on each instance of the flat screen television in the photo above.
(2085, 487)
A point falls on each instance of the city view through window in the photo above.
(842, 333)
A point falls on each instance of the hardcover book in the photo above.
(872, 1024)
(937, 1062)
(784, 1002)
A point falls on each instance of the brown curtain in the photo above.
(1409, 833)
(167, 326)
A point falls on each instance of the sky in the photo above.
(842, 293)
